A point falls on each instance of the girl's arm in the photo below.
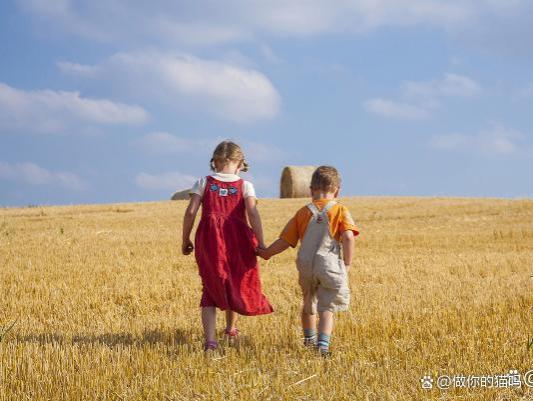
(255, 219)
(348, 242)
(188, 222)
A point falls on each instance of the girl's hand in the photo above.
(262, 253)
(188, 221)
(254, 219)
(187, 247)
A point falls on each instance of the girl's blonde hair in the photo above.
(225, 152)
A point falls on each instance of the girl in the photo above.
(225, 243)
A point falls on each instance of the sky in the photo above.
(125, 100)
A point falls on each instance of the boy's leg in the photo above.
(325, 323)
(309, 319)
(333, 295)
(309, 327)
(209, 321)
(325, 327)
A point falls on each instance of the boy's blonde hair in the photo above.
(325, 179)
(225, 152)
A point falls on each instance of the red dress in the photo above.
(225, 252)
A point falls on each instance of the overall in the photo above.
(321, 270)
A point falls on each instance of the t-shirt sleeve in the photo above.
(248, 189)
(198, 187)
(346, 222)
(290, 232)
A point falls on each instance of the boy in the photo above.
(322, 273)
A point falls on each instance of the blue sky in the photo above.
(124, 100)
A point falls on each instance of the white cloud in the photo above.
(269, 55)
(77, 69)
(200, 33)
(499, 140)
(169, 181)
(208, 22)
(449, 141)
(492, 141)
(50, 111)
(33, 174)
(236, 58)
(421, 98)
(392, 109)
(526, 91)
(163, 143)
(262, 152)
(182, 81)
(450, 85)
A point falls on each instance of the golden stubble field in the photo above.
(106, 308)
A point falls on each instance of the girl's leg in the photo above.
(231, 320)
(209, 321)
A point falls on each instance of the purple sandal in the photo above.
(210, 346)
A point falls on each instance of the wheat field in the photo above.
(97, 303)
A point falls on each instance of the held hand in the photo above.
(262, 253)
(187, 247)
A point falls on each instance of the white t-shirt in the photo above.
(199, 186)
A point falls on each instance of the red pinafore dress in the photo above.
(225, 251)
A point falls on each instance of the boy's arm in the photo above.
(188, 222)
(255, 219)
(276, 247)
(288, 237)
(348, 242)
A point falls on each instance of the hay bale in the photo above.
(295, 181)
(180, 195)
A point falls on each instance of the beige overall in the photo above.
(322, 274)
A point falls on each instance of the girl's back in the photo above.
(225, 245)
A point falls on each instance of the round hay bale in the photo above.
(295, 181)
(180, 195)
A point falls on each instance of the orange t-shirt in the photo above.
(340, 220)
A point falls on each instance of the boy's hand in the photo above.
(276, 247)
(262, 253)
(187, 247)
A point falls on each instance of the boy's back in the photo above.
(321, 226)
(321, 271)
(339, 217)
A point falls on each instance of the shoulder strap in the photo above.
(329, 205)
(314, 210)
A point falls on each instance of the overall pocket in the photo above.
(330, 270)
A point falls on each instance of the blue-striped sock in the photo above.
(323, 342)
(309, 336)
